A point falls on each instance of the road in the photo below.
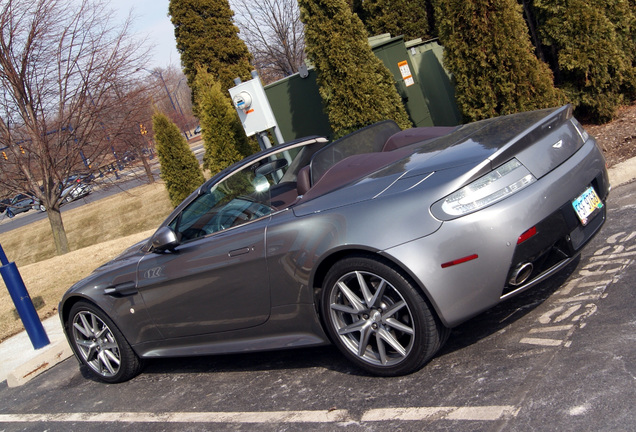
(129, 178)
(559, 357)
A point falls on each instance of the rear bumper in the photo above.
(462, 291)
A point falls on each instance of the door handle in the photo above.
(237, 252)
(123, 289)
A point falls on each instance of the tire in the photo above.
(10, 214)
(42, 208)
(100, 346)
(68, 198)
(366, 300)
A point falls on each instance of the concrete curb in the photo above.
(52, 355)
(623, 172)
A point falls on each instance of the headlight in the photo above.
(498, 184)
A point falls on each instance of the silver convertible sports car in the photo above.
(379, 243)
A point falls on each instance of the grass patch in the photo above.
(129, 212)
(97, 232)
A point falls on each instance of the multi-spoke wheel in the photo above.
(377, 319)
(100, 345)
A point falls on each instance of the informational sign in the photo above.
(406, 73)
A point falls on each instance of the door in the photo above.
(216, 279)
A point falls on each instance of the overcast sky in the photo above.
(151, 20)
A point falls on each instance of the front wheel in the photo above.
(378, 319)
(99, 344)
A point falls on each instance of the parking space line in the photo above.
(482, 413)
(541, 341)
(474, 413)
(329, 416)
(552, 329)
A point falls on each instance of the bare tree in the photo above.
(274, 34)
(61, 62)
(172, 96)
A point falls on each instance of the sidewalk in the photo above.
(20, 362)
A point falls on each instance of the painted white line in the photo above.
(603, 282)
(569, 287)
(614, 255)
(475, 413)
(576, 283)
(565, 315)
(552, 329)
(609, 261)
(185, 417)
(581, 298)
(481, 413)
(541, 341)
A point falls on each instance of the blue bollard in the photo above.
(22, 302)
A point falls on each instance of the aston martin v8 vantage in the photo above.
(379, 242)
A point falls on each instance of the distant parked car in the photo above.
(73, 188)
(128, 157)
(19, 204)
(79, 178)
(4, 203)
(197, 130)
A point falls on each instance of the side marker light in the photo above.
(460, 260)
(526, 235)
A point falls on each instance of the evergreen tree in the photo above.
(397, 17)
(223, 134)
(356, 87)
(487, 49)
(179, 167)
(206, 36)
(592, 53)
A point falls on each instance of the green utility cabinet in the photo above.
(393, 54)
(420, 78)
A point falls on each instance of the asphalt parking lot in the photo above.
(559, 357)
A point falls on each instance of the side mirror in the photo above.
(164, 239)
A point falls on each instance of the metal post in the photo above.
(22, 302)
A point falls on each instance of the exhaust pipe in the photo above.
(521, 274)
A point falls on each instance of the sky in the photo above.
(151, 20)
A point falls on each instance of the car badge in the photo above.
(558, 144)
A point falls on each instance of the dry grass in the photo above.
(126, 213)
(97, 232)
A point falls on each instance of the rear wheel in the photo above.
(378, 319)
(10, 214)
(100, 345)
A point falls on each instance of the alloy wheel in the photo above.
(96, 343)
(371, 318)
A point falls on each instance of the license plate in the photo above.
(587, 205)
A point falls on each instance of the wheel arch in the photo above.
(320, 273)
(67, 305)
